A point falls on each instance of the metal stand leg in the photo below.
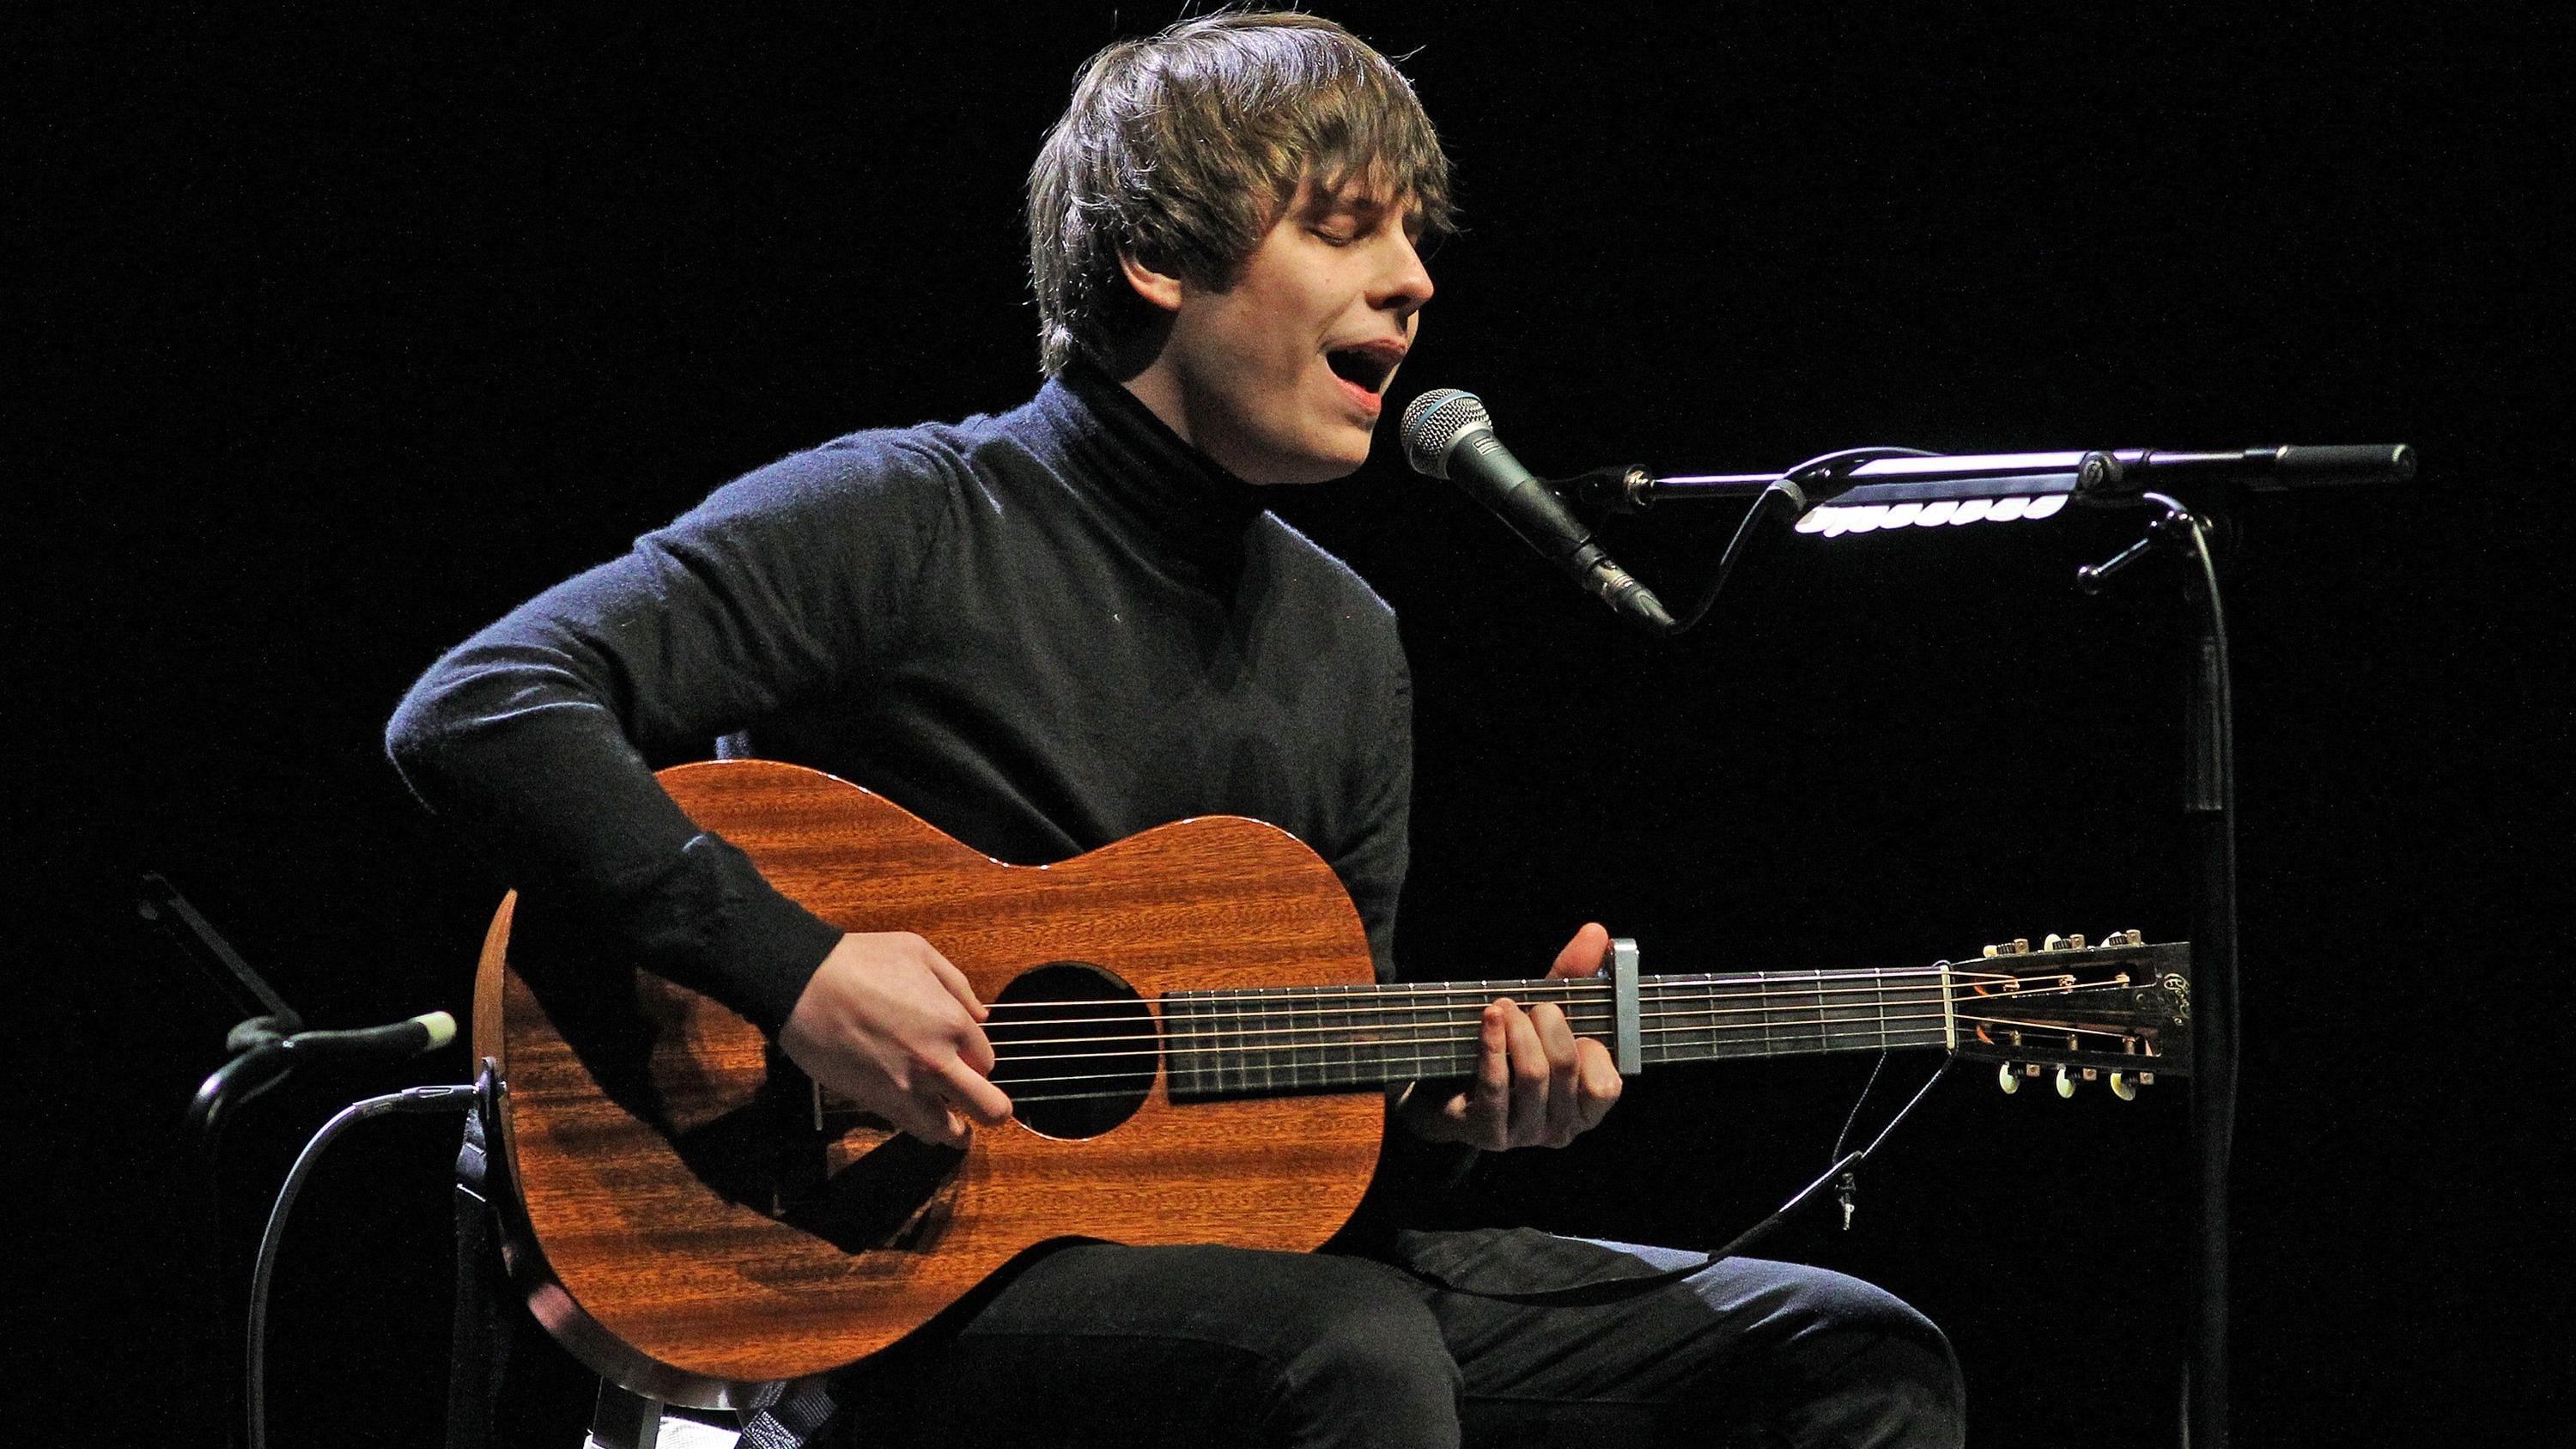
(622, 1420)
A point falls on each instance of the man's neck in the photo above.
(1160, 392)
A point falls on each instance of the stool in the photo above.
(624, 1420)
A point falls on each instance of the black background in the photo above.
(352, 330)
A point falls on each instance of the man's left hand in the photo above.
(1537, 1084)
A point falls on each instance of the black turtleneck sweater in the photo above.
(1041, 632)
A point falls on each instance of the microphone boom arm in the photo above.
(2117, 475)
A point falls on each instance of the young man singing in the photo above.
(1051, 629)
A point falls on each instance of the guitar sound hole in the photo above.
(1075, 1048)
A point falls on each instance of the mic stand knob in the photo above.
(2171, 526)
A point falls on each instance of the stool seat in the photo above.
(624, 1420)
(674, 1432)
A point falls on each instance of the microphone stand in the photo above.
(265, 1047)
(259, 1059)
(2209, 813)
(1886, 479)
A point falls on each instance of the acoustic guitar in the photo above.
(1190, 1031)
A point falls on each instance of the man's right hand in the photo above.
(888, 1023)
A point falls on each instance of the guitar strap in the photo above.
(794, 1419)
(478, 1344)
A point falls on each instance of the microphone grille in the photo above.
(1433, 424)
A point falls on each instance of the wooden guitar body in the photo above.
(681, 1221)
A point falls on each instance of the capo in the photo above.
(1627, 1048)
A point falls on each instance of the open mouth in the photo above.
(1366, 367)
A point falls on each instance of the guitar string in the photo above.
(1393, 1005)
(1444, 1048)
(1591, 1024)
(1463, 1040)
(1461, 1035)
(1325, 1086)
(2142, 1064)
(1589, 1015)
(1356, 990)
(1340, 1020)
(1955, 970)
(1396, 999)
(1854, 999)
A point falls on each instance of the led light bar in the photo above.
(1842, 516)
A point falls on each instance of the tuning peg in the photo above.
(2075, 942)
(2021, 945)
(2005, 1079)
(2055, 942)
(2123, 1087)
(2065, 1083)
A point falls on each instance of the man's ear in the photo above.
(1160, 290)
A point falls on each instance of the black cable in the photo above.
(255, 1351)
(1844, 1165)
(1903, 1112)
(1789, 497)
(2207, 1395)
(2223, 707)
(1857, 1103)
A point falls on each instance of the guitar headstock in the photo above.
(2119, 1009)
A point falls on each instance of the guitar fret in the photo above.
(1843, 1027)
(1284, 1033)
(1264, 1060)
(1332, 1048)
(1278, 1023)
(1306, 1029)
(1240, 1078)
(1308, 1056)
(1180, 1064)
(1343, 1030)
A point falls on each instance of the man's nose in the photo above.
(1406, 283)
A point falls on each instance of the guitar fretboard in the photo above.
(1326, 1038)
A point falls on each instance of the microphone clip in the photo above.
(1617, 490)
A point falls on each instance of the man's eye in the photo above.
(1334, 237)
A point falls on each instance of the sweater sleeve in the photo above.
(1412, 1173)
(1372, 865)
(531, 739)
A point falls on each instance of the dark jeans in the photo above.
(1206, 1346)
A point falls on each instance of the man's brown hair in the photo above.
(1182, 149)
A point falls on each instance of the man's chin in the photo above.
(1321, 465)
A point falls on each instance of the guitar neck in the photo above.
(1329, 1038)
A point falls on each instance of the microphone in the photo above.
(1448, 434)
(410, 1037)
